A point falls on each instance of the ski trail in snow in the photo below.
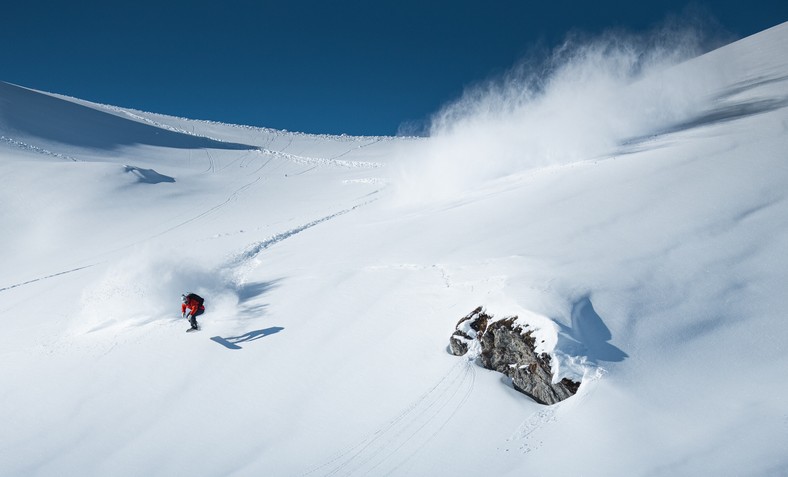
(526, 438)
(230, 198)
(525, 435)
(45, 278)
(374, 141)
(470, 369)
(233, 196)
(256, 248)
(387, 449)
(211, 163)
(30, 147)
(216, 207)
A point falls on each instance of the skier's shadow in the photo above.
(232, 341)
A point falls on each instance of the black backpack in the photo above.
(194, 296)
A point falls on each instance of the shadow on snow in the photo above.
(589, 330)
(247, 293)
(31, 113)
(231, 342)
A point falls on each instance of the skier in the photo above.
(192, 306)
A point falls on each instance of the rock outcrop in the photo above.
(509, 347)
(468, 329)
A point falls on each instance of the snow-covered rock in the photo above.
(509, 346)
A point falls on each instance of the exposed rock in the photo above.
(467, 331)
(507, 347)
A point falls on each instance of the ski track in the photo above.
(216, 207)
(45, 277)
(30, 147)
(387, 449)
(233, 196)
(211, 163)
(241, 159)
(212, 168)
(374, 141)
(253, 250)
(525, 437)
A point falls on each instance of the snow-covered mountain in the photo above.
(640, 224)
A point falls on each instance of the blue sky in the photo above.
(355, 67)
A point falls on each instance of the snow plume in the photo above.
(576, 103)
(146, 286)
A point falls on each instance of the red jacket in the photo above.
(192, 305)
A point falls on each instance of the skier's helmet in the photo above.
(184, 298)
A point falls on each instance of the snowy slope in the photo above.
(653, 258)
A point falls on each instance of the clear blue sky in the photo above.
(321, 66)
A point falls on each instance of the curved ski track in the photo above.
(390, 447)
(256, 248)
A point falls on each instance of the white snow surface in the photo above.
(640, 222)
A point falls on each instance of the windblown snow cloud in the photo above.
(145, 287)
(578, 102)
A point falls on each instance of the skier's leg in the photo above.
(194, 317)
